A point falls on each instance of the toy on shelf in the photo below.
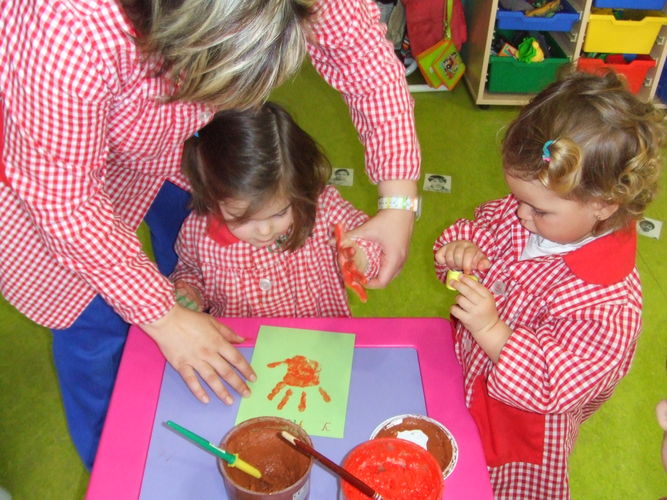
(532, 9)
(530, 51)
(545, 10)
(508, 50)
(524, 46)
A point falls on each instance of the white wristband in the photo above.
(401, 203)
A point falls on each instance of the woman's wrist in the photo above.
(399, 195)
(163, 317)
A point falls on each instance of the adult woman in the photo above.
(97, 100)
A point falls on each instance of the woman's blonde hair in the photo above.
(227, 53)
(606, 145)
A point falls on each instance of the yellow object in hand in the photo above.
(453, 275)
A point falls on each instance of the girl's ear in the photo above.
(604, 210)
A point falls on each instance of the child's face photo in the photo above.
(264, 227)
(557, 219)
(341, 177)
(438, 183)
(649, 227)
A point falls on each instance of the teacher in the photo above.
(96, 100)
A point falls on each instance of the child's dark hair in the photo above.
(255, 155)
(607, 145)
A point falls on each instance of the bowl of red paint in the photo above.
(395, 468)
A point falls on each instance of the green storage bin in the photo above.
(508, 75)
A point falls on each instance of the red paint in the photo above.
(397, 469)
(325, 396)
(285, 399)
(352, 277)
(276, 390)
(301, 372)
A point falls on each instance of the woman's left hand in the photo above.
(391, 229)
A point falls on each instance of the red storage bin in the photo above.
(634, 71)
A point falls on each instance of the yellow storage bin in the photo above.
(634, 33)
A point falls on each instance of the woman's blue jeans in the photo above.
(87, 354)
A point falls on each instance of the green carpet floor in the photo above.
(617, 455)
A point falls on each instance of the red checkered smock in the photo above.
(575, 319)
(87, 145)
(237, 279)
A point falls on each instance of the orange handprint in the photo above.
(301, 372)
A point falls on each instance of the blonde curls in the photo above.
(227, 53)
(607, 144)
(562, 171)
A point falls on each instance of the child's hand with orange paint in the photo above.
(353, 262)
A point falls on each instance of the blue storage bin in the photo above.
(661, 90)
(630, 4)
(516, 20)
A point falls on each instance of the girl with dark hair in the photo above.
(259, 239)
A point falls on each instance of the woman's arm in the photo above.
(352, 54)
(56, 152)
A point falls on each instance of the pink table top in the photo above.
(121, 459)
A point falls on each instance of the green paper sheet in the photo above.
(303, 376)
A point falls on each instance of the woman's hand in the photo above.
(476, 309)
(195, 343)
(462, 255)
(391, 229)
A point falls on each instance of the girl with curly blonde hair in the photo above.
(549, 325)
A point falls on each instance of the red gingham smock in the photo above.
(575, 319)
(234, 278)
(87, 146)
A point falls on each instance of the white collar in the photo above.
(537, 246)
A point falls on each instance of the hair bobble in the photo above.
(196, 134)
(546, 152)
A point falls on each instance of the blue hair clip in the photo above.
(196, 134)
(546, 152)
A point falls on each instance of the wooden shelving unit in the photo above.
(481, 19)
